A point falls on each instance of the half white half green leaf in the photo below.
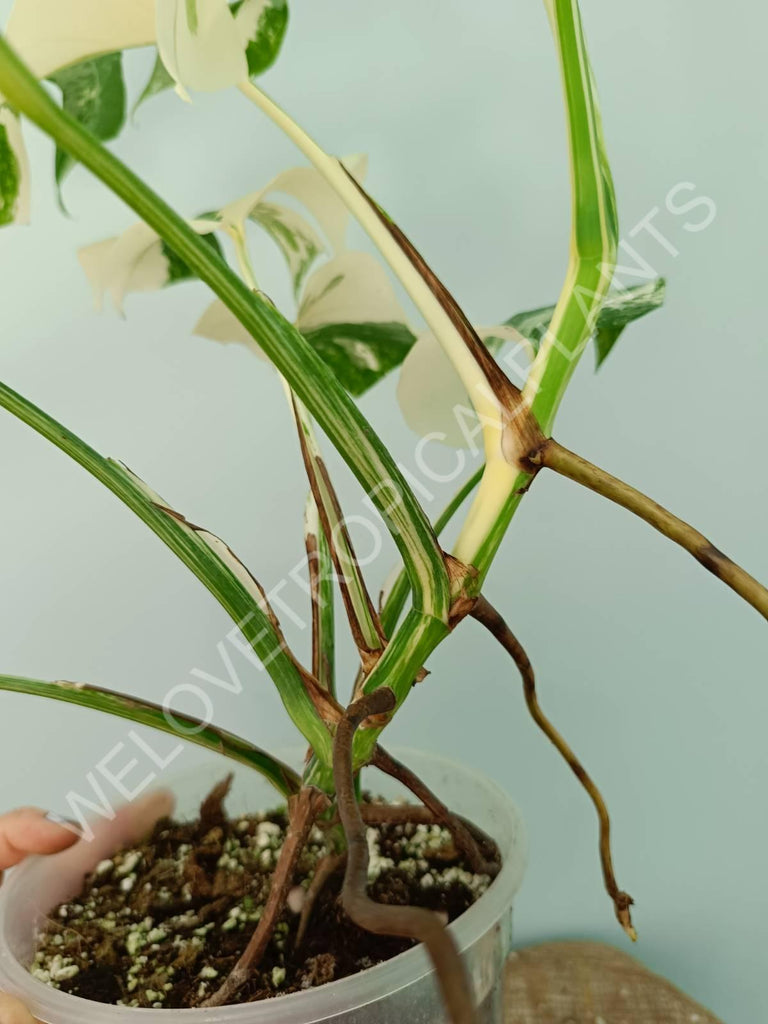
(136, 261)
(262, 25)
(350, 314)
(200, 44)
(93, 92)
(14, 171)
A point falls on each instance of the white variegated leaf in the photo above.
(200, 44)
(52, 34)
(294, 236)
(14, 171)
(432, 397)
(132, 262)
(309, 187)
(218, 323)
(351, 288)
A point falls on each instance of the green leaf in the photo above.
(361, 354)
(14, 186)
(93, 92)
(144, 712)
(619, 309)
(208, 557)
(159, 81)
(265, 22)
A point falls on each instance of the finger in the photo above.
(130, 823)
(133, 821)
(14, 1012)
(27, 830)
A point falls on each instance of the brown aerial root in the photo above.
(326, 868)
(303, 809)
(487, 615)
(555, 457)
(411, 922)
(465, 842)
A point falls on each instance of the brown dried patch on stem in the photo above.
(325, 870)
(321, 669)
(303, 809)
(463, 839)
(521, 430)
(412, 922)
(553, 456)
(464, 580)
(487, 615)
(335, 530)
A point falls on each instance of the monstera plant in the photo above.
(497, 387)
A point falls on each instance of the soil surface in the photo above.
(162, 923)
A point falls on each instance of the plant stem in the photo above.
(144, 712)
(462, 837)
(303, 809)
(206, 556)
(373, 223)
(324, 871)
(320, 569)
(487, 615)
(555, 457)
(363, 620)
(381, 919)
(592, 257)
(293, 356)
(394, 602)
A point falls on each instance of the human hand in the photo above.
(28, 831)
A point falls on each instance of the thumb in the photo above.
(14, 1012)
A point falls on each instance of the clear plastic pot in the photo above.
(401, 990)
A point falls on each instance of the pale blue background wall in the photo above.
(655, 671)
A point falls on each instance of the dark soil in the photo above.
(162, 923)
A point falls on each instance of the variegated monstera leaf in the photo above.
(202, 45)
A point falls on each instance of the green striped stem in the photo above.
(293, 356)
(394, 600)
(594, 238)
(142, 712)
(207, 556)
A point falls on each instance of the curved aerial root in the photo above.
(465, 842)
(303, 809)
(487, 615)
(411, 922)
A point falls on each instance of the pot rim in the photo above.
(317, 1004)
